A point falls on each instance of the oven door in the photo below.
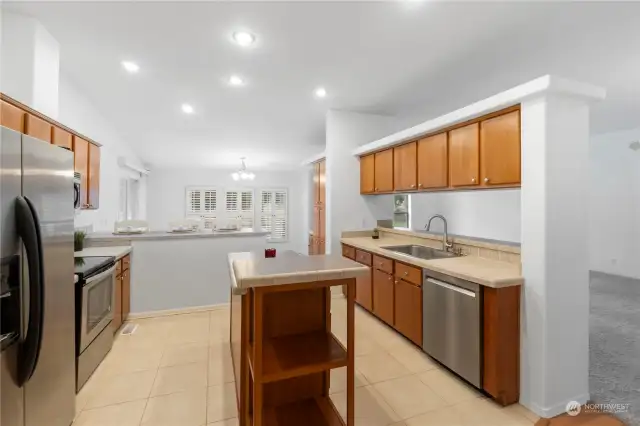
(97, 306)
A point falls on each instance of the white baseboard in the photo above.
(178, 311)
(559, 408)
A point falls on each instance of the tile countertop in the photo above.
(490, 273)
(117, 251)
(251, 269)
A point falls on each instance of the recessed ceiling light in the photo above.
(235, 80)
(187, 109)
(321, 92)
(131, 67)
(244, 38)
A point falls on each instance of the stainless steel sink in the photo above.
(420, 252)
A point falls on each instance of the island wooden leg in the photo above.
(258, 320)
(351, 293)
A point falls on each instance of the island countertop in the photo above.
(252, 269)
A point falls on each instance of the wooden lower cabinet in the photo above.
(122, 292)
(117, 304)
(364, 296)
(126, 294)
(501, 343)
(397, 300)
(383, 289)
(408, 310)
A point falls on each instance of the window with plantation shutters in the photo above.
(274, 214)
(239, 207)
(201, 201)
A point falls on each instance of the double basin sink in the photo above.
(420, 252)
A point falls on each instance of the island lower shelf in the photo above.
(283, 351)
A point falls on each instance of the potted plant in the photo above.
(78, 240)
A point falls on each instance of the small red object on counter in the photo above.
(270, 252)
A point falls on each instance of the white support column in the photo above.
(555, 257)
(30, 63)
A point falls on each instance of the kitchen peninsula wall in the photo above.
(166, 197)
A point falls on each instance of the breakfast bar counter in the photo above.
(281, 341)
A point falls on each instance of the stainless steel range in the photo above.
(94, 313)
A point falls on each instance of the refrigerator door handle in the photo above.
(28, 228)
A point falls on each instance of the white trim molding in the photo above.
(543, 85)
(178, 311)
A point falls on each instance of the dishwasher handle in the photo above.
(452, 287)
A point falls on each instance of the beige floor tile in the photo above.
(484, 412)
(338, 380)
(180, 378)
(185, 354)
(414, 359)
(449, 386)
(389, 338)
(182, 408)
(378, 367)
(228, 422)
(129, 360)
(446, 416)
(370, 408)
(399, 424)
(122, 388)
(125, 414)
(220, 365)
(366, 345)
(221, 403)
(521, 411)
(87, 392)
(408, 396)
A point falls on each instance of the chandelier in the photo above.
(243, 174)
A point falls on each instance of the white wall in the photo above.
(77, 112)
(166, 196)
(615, 203)
(30, 61)
(493, 214)
(346, 208)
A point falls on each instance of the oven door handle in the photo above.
(93, 281)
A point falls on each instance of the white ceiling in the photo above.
(406, 58)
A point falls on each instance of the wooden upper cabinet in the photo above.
(383, 170)
(433, 162)
(11, 117)
(405, 167)
(322, 173)
(38, 128)
(464, 156)
(81, 165)
(500, 149)
(94, 176)
(367, 174)
(61, 137)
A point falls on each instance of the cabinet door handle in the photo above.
(413, 186)
(473, 180)
(406, 273)
(486, 180)
(396, 281)
(419, 185)
(389, 278)
(375, 189)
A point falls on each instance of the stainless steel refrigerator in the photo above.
(37, 299)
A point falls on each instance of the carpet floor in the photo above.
(614, 343)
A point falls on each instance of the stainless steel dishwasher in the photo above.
(452, 324)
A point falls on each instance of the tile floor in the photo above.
(176, 371)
